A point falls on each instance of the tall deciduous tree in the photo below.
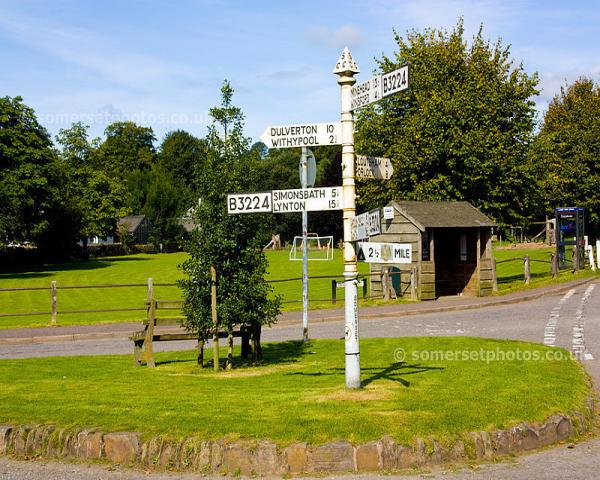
(566, 151)
(96, 198)
(179, 154)
(460, 132)
(127, 147)
(230, 243)
(28, 173)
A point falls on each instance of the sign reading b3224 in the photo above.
(286, 201)
(257, 202)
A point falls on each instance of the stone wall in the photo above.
(264, 457)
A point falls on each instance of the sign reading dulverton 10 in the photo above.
(286, 201)
(378, 87)
(304, 135)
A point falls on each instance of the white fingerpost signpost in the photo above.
(335, 198)
(346, 68)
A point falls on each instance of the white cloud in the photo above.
(338, 38)
(96, 53)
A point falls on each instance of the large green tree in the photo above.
(96, 199)
(460, 132)
(232, 244)
(128, 147)
(566, 152)
(29, 178)
(181, 153)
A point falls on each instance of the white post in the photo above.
(304, 184)
(598, 253)
(346, 68)
(590, 252)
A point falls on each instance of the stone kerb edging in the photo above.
(266, 458)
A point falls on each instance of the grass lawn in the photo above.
(164, 269)
(135, 269)
(299, 393)
(510, 274)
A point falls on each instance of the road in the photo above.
(569, 319)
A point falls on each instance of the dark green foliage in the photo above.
(181, 153)
(128, 147)
(95, 198)
(230, 243)
(28, 173)
(461, 131)
(566, 152)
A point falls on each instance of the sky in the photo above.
(161, 63)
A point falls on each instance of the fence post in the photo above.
(150, 290)
(554, 265)
(494, 276)
(385, 283)
(53, 296)
(590, 250)
(333, 291)
(213, 309)
(527, 269)
(365, 286)
(413, 283)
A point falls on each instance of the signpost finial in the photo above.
(346, 63)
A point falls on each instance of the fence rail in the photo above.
(54, 288)
(386, 276)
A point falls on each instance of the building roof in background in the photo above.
(442, 214)
(132, 222)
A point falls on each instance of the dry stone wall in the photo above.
(266, 458)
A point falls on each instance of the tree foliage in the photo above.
(96, 198)
(28, 173)
(232, 244)
(566, 152)
(460, 132)
(128, 147)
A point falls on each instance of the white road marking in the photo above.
(578, 334)
(550, 329)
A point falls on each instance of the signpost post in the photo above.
(304, 184)
(353, 97)
(346, 68)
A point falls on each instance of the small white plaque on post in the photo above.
(388, 213)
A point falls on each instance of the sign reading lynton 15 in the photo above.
(286, 201)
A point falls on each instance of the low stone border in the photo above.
(264, 457)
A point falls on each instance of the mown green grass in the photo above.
(136, 269)
(163, 268)
(298, 394)
(510, 274)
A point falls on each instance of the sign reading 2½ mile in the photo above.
(286, 201)
(304, 135)
(372, 252)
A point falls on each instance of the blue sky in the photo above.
(161, 63)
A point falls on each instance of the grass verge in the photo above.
(298, 394)
(164, 269)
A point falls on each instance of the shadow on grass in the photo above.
(394, 372)
(513, 278)
(48, 270)
(273, 354)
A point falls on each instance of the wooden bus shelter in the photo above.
(451, 249)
